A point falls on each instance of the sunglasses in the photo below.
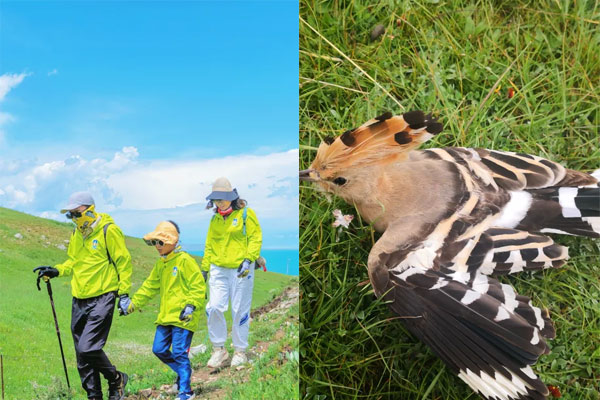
(73, 214)
(154, 242)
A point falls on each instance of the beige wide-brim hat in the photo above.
(164, 231)
(222, 190)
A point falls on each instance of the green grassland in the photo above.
(457, 59)
(28, 342)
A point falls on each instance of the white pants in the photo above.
(224, 285)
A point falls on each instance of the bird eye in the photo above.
(339, 181)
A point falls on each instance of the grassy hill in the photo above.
(28, 342)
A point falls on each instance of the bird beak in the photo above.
(309, 175)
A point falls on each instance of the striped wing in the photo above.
(534, 194)
(512, 171)
(500, 251)
(484, 331)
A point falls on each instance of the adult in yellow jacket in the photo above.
(100, 266)
(177, 278)
(232, 246)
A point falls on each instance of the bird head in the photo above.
(345, 165)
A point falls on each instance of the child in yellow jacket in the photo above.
(176, 276)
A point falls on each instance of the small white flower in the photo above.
(342, 220)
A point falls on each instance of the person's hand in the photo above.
(125, 305)
(186, 313)
(46, 272)
(244, 268)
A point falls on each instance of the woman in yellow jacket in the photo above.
(232, 246)
(176, 276)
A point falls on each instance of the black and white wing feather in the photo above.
(484, 331)
(542, 195)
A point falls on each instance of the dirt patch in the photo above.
(282, 302)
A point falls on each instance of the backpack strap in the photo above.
(110, 260)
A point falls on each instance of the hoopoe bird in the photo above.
(451, 220)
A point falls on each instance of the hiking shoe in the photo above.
(116, 390)
(218, 358)
(239, 358)
(186, 396)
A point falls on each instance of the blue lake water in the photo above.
(284, 261)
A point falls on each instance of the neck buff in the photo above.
(84, 223)
(226, 212)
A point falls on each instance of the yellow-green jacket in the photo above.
(178, 279)
(226, 245)
(93, 274)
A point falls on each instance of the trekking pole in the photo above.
(49, 287)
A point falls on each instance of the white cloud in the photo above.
(44, 186)
(9, 81)
(141, 193)
(53, 72)
(268, 179)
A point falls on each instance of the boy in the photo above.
(176, 276)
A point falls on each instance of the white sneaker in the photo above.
(218, 358)
(239, 358)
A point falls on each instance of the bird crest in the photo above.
(381, 140)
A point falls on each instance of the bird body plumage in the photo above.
(451, 219)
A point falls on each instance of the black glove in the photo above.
(45, 271)
(186, 313)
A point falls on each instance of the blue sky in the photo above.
(146, 103)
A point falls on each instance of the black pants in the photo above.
(90, 324)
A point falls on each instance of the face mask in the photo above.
(84, 219)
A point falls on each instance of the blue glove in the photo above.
(125, 305)
(186, 313)
(244, 268)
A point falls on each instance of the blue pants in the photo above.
(177, 359)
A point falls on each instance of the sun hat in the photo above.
(222, 190)
(165, 231)
(78, 199)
